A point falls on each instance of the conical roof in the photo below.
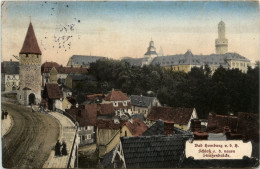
(30, 44)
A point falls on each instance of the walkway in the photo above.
(67, 134)
(6, 125)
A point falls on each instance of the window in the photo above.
(89, 136)
(83, 138)
(27, 55)
(20, 96)
(115, 104)
(125, 103)
(125, 134)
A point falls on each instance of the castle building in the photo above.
(30, 70)
(221, 43)
(150, 54)
(185, 62)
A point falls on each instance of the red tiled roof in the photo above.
(47, 66)
(137, 127)
(53, 91)
(216, 123)
(109, 124)
(72, 70)
(94, 96)
(85, 117)
(116, 95)
(106, 109)
(175, 115)
(30, 44)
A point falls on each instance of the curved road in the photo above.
(33, 135)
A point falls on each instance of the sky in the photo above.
(124, 29)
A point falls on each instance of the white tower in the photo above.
(221, 43)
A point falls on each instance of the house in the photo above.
(82, 60)
(52, 71)
(52, 96)
(86, 117)
(181, 117)
(134, 128)
(108, 135)
(110, 131)
(10, 75)
(75, 81)
(147, 152)
(121, 102)
(143, 104)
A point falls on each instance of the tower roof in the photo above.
(30, 44)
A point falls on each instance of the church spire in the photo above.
(30, 44)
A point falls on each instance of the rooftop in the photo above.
(53, 91)
(175, 115)
(153, 151)
(137, 127)
(30, 44)
(141, 101)
(116, 95)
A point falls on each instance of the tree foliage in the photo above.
(223, 92)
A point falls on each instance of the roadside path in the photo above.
(6, 125)
(67, 134)
(31, 139)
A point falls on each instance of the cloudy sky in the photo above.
(120, 29)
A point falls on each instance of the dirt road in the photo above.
(29, 143)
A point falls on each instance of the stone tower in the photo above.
(221, 43)
(30, 70)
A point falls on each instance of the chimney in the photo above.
(168, 128)
(195, 125)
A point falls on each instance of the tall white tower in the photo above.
(221, 43)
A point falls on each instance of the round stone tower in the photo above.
(221, 43)
(30, 70)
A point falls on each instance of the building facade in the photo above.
(30, 70)
(185, 62)
(10, 76)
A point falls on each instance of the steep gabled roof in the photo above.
(137, 127)
(176, 115)
(53, 91)
(30, 44)
(116, 95)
